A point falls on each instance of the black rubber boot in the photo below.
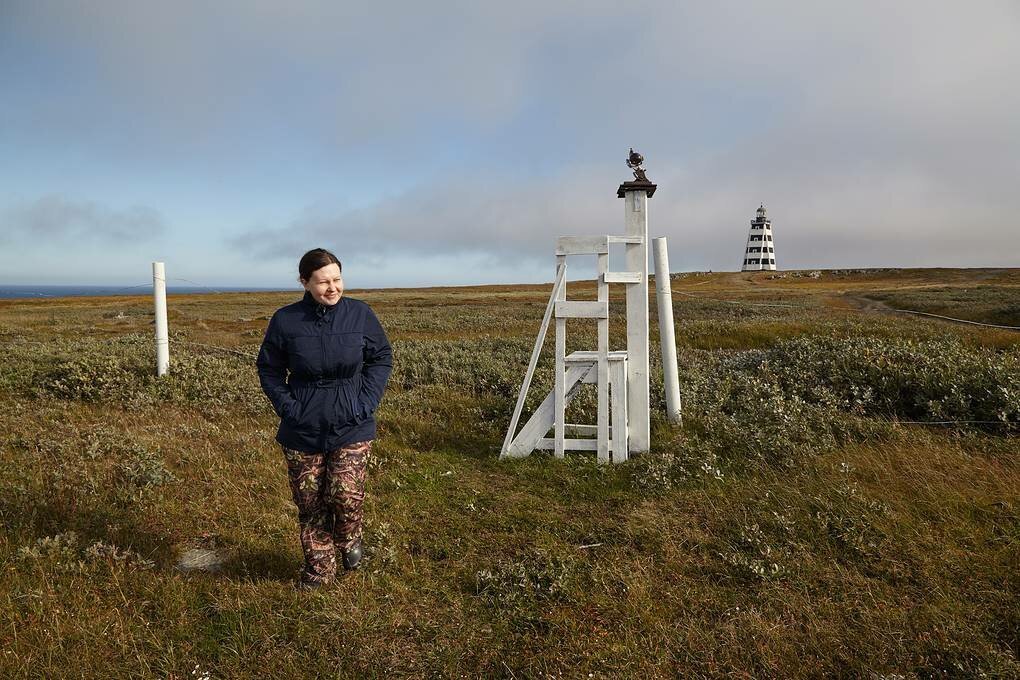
(352, 557)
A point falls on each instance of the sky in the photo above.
(452, 142)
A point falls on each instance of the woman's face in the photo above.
(325, 284)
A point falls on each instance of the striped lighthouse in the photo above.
(759, 253)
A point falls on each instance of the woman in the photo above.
(323, 364)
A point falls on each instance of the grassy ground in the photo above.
(796, 525)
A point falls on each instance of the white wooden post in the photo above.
(162, 335)
(618, 382)
(667, 338)
(602, 362)
(636, 222)
(559, 386)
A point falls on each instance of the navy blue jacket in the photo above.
(325, 369)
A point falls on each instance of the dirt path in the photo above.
(866, 304)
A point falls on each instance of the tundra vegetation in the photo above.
(799, 523)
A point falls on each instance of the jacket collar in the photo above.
(320, 310)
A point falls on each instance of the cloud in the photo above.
(849, 215)
(887, 141)
(875, 133)
(77, 221)
(504, 218)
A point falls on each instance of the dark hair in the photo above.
(314, 259)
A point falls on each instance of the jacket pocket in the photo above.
(303, 396)
(356, 409)
(350, 405)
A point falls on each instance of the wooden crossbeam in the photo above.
(561, 392)
(602, 422)
(583, 356)
(582, 309)
(626, 239)
(622, 277)
(582, 245)
(584, 430)
(547, 443)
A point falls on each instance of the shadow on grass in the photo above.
(27, 525)
(261, 565)
(437, 419)
(112, 525)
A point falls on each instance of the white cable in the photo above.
(948, 422)
(949, 318)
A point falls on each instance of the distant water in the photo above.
(82, 291)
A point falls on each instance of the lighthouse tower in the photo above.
(759, 253)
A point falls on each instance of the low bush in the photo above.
(143, 468)
(939, 379)
(484, 365)
(755, 555)
(67, 552)
(524, 582)
(121, 371)
(848, 518)
(806, 396)
(737, 412)
(685, 458)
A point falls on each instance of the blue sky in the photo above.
(450, 142)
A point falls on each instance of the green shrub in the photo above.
(206, 378)
(483, 365)
(918, 380)
(61, 551)
(122, 371)
(806, 396)
(65, 552)
(738, 411)
(847, 517)
(684, 459)
(95, 376)
(143, 468)
(524, 582)
(756, 556)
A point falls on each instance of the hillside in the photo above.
(842, 499)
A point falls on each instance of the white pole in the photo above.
(162, 337)
(667, 339)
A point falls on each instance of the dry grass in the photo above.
(839, 544)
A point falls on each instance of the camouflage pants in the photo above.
(329, 491)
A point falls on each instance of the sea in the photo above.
(12, 291)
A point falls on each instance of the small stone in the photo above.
(200, 559)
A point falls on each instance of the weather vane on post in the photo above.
(634, 161)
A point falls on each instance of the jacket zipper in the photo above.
(322, 350)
